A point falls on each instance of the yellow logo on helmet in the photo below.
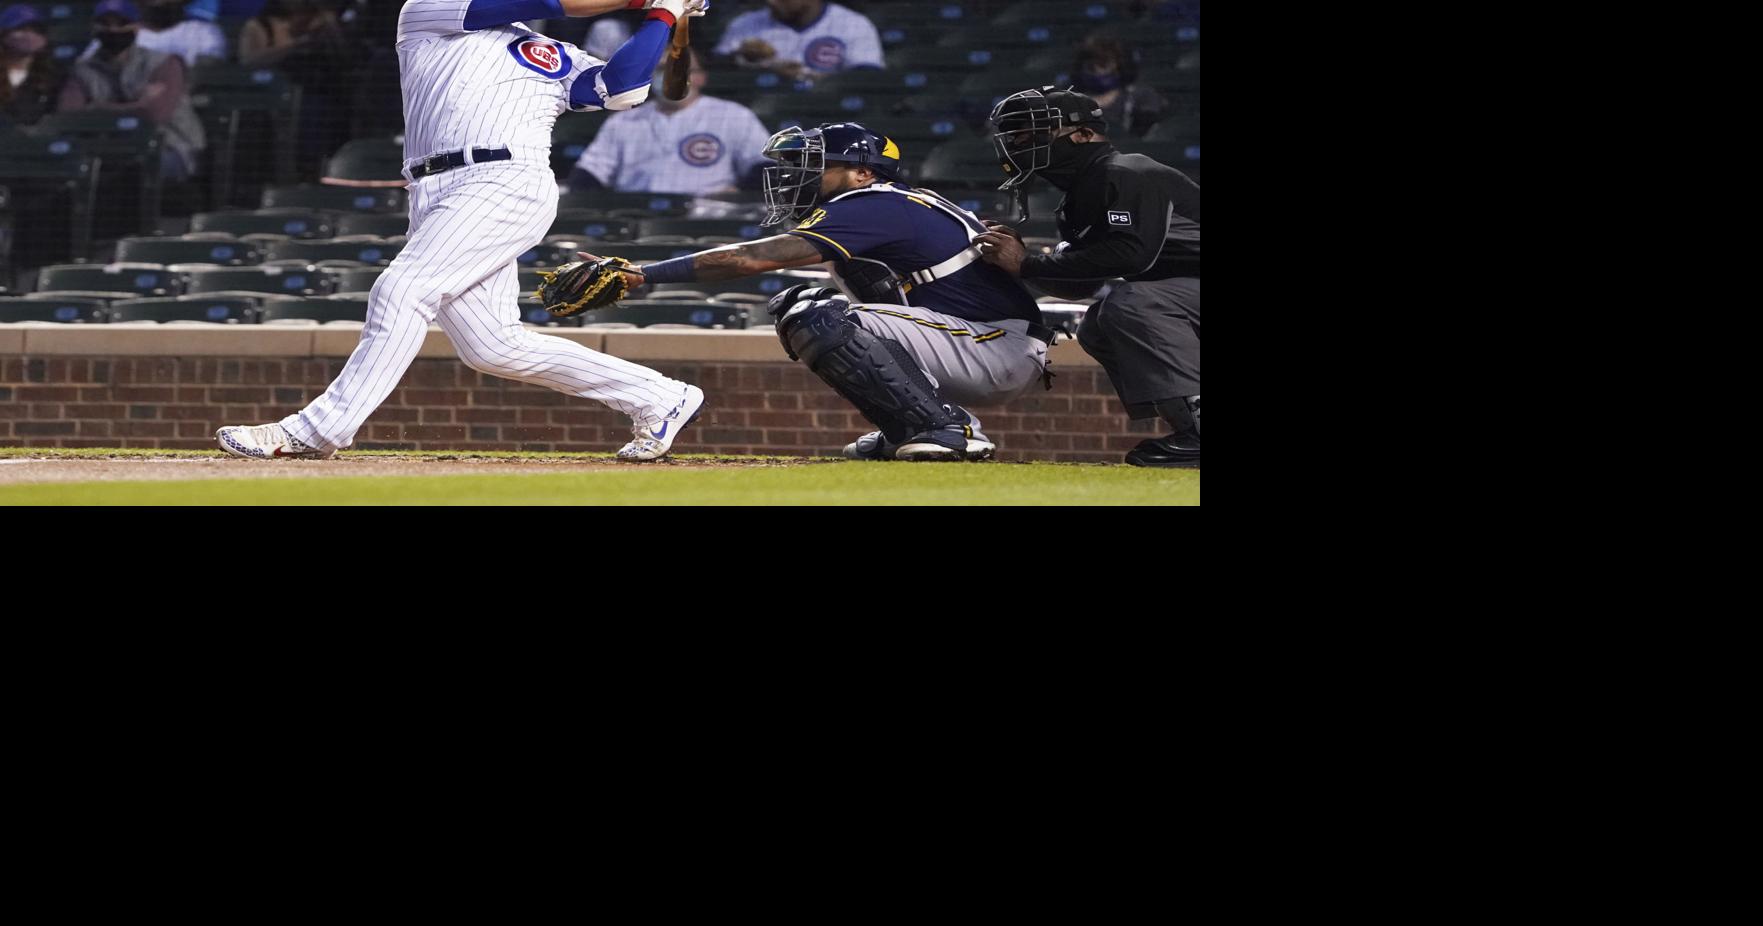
(890, 150)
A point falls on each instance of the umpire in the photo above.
(1126, 216)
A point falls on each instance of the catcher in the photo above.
(927, 328)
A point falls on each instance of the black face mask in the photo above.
(161, 17)
(1068, 159)
(114, 43)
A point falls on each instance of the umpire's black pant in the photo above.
(1147, 336)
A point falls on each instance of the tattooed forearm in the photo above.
(738, 260)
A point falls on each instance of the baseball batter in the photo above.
(481, 93)
(931, 328)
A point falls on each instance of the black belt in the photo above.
(435, 163)
(1042, 333)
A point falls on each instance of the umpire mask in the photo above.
(1028, 139)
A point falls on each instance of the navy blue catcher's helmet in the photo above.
(792, 187)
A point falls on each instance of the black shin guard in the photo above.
(875, 374)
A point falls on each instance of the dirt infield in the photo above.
(20, 471)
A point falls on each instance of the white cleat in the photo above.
(653, 442)
(266, 442)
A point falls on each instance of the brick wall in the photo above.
(756, 406)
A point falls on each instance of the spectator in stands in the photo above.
(125, 78)
(802, 39)
(167, 26)
(1107, 71)
(304, 40)
(697, 145)
(32, 78)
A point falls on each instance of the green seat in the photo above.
(264, 97)
(1065, 15)
(294, 223)
(383, 225)
(570, 137)
(671, 312)
(233, 310)
(592, 223)
(337, 198)
(129, 144)
(317, 309)
(67, 310)
(367, 159)
(353, 279)
(59, 162)
(282, 281)
(361, 249)
(189, 250)
(698, 228)
(138, 279)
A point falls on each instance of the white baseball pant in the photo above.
(468, 226)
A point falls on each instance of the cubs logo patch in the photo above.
(825, 54)
(1119, 218)
(700, 150)
(546, 58)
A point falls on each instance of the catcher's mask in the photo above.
(1028, 121)
(792, 186)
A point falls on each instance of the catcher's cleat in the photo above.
(653, 442)
(872, 446)
(942, 444)
(1172, 451)
(266, 442)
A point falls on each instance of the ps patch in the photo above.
(1119, 218)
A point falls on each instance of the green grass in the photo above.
(822, 483)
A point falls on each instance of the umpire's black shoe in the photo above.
(1174, 450)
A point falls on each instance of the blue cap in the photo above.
(19, 14)
(208, 10)
(122, 8)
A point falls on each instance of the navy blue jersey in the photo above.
(899, 227)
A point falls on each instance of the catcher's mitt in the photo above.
(576, 287)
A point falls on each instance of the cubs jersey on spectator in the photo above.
(841, 39)
(502, 85)
(900, 227)
(707, 147)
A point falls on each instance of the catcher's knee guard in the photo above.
(875, 374)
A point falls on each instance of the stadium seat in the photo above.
(292, 223)
(203, 249)
(320, 310)
(698, 228)
(765, 285)
(1063, 15)
(337, 198)
(941, 13)
(570, 137)
(353, 279)
(361, 248)
(129, 145)
(261, 95)
(605, 201)
(98, 294)
(644, 313)
(592, 224)
(965, 161)
(367, 160)
(643, 253)
(234, 310)
(138, 279)
(938, 62)
(819, 106)
(666, 239)
(58, 162)
(1014, 43)
(68, 36)
(67, 310)
(385, 225)
(282, 281)
(533, 312)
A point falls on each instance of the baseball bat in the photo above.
(679, 61)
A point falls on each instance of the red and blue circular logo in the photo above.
(825, 54)
(547, 58)
(700, 150)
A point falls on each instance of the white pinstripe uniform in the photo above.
(502, 86)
